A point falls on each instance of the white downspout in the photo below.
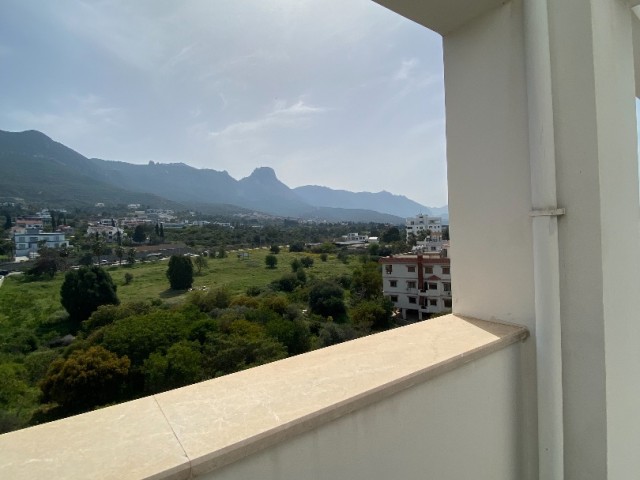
(545, 241)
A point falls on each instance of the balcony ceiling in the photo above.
(442, 16)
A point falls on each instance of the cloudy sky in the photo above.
(341, 93)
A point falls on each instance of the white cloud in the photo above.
(406, 68)
(294, 115)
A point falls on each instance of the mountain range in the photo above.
(38, 169)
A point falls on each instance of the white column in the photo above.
(595, 144)
(489, 177)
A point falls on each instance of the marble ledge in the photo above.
(195, 429)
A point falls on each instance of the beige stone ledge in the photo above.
(196, 429)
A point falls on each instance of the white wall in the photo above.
(461, 425)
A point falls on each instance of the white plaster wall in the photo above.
(461, 425)
(593, 90)
(489, 174)
(488, 168)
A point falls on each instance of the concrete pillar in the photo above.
(540, 116)
(597, 174)
(490, 188)
(489, 79)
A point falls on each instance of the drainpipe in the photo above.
(545, 241)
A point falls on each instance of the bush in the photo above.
(296, 247)
(307, 262)
(275, 249)
(323, 257)
(88, 378)
(128, 278)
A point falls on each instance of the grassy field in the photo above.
(30, 304)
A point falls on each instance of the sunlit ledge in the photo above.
(200, 428)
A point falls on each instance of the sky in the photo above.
(340, 93)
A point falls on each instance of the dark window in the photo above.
(428, 269)
(393, 283)
(412, 299)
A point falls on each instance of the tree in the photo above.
(372, 314)
(180, 272)
(7, 222)
(131, 256)
(295, 265)
(275, 249)
(366, 282)
(96, 248)
(222, 253)
(296, 247)
(200, 262)
(84, 290)
(157, 229)
(45, 265)
(392, 234)
(271, 261)
(119, 251)
(326, 299)
(87, 379)
(139, 234)
(161, 230)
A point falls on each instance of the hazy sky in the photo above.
(341, 93)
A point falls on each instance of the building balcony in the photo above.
(391, 405)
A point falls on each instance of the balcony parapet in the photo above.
(187, 432)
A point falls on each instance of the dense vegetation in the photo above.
(241, 312)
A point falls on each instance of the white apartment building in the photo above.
(28, 241)
(418, 284)
(421, 222)
(108, 232)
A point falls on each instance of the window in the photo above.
(411, 284)
(411, 268)
(446, 270)
(412, 299)
(388, 268)
(433, 302)
(394, 298)
(447, 287)
(447, 303)
(393, 283)
(428, 269)
(433, 286)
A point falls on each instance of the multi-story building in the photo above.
(418, 285)
(29, 240)
(420, 223)
(108, 232)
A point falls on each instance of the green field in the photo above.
(33, 304)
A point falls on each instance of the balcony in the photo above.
(333, 413)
